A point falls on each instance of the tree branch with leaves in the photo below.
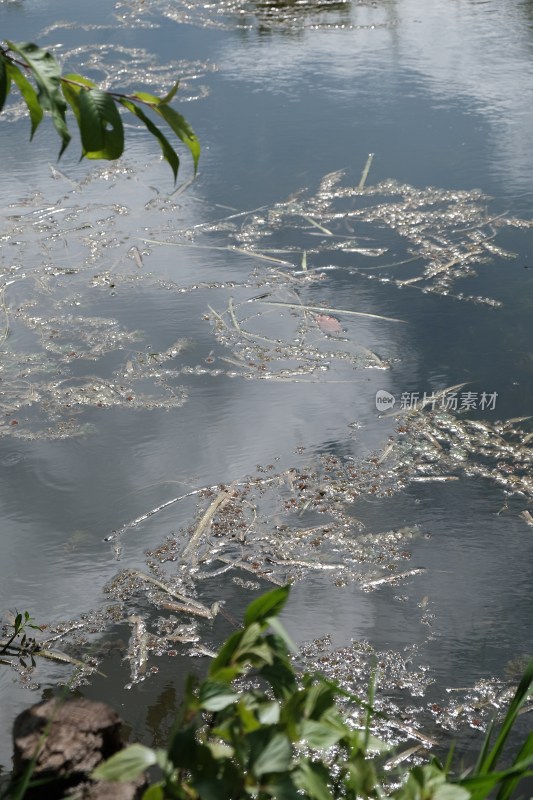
(96, 111)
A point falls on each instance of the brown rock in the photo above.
(71, 739)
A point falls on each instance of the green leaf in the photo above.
(183, 747)
(522, 693)
(72, 79)
(247, 717)
(361, 777)
(319, 698)
(144, 97)
(509, 786)
(282, 633)
(228, 674)
(163, 761)
(170, 96)
(448, 791)
(100, 125)
(268, 605)
(429, 782)
(182, 129)
(482, 784)
(126, 765)
(154, 792)
(251, 636)
(281, 787)
(216, 696)
(321, 735)
(224, 658)
(5, 81)
(377, 745)
(47, 73)
(313, 779)
(281, 678)
(214, 788)
(269, 713)
(220, 751)
(102, 134)
(169, 154)
(71, 94)
(270, 751)
(188, 707)
(258, 655)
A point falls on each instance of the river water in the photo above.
(237, 331)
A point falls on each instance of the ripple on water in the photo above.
(12, 458)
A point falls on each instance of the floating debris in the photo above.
(137, 654)
(390, 579)
(328, 324)
(56, 655)
(442, 236)
(527, 517)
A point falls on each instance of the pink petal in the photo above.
(327, 324)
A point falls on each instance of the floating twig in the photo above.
(57, 655)
(428, 741)
(202, 650)
(327, 310)
(434, 478)
(207, 518)
(293, 562)
(137, 653)
(316, 224)
(231, 310)
(527, 517)
(143, 517)
(185, 608)
(262, 256)
(373, 582)
(259, 573)
(189, 601)
(364, 174)
(386, 452)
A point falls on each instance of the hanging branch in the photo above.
(95, 110)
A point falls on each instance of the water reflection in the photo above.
(291, 15)
(455, 57)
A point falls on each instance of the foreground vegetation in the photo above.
(256, 728)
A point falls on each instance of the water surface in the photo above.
(117, 397)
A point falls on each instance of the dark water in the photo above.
(442, 94)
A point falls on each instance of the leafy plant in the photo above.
(95, 110)
(254, 728)
(26, 645)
